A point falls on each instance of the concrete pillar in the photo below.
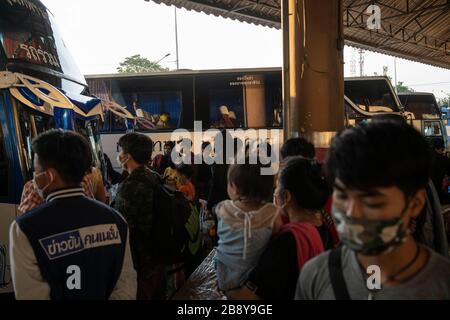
(255, 101)
(313, 72)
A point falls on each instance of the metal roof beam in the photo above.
(426, 10)
(411, 20)
(424, 28)
(251, 14)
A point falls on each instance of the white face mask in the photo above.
(40, 191)
(122, 164)
(280, 206)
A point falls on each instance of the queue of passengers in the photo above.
(311, 233)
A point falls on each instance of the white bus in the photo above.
(164, 101)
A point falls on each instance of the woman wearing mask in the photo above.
(301, 193)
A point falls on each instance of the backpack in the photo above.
(176, 227)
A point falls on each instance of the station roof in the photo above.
(417, 30)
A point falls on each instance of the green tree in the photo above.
(138, 64)
(403, 88)
(444, 102)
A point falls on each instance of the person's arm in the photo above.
(29, 199)
(100, 193)
(27, 280)
(126, 286)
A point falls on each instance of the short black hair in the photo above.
(185, 170)
(252, 185)
(67, 152)
(380, 154)
(297, 147)
(304, 179)
(138, 145)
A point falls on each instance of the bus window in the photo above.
(219, 104)
(157, 102)
(226, 108)
(161, 110)
(113, 123)
(371, 95)
(89, 130)
(421, 105)
(43, 123)
(432, 128)
(239, 100)
(4, 177)
(31, 125)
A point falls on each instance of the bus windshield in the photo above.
(31, 41)
(371, 94)
(420, 105)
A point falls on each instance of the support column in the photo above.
(313, 72)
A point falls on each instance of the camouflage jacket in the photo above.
(134, 200)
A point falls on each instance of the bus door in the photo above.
(8, 161)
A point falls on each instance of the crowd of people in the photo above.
(311, 232)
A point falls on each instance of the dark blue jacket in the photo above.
(72, 230)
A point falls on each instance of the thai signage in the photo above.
(31, 37)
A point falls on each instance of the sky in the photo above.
(101, 33)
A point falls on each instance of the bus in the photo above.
(425, 107)
(234, 99)
(239, 99)
(376, 94)
(40, 88)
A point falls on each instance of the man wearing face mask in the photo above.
(70, 247)
(136, 202)
(380, 171)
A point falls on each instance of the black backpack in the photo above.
(176, 228)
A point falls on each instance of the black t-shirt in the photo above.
(275, 276)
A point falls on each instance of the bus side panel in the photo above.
(7, 215)
(8, 205)
(12, 145)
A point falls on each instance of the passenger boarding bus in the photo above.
(239, 99)
(40, 88)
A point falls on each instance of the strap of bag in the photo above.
(336, 275)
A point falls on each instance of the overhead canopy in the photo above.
(417, 30)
